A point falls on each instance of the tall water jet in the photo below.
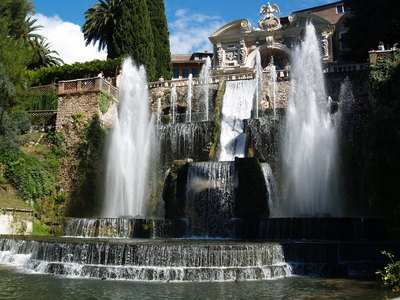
(310, 143)
(174, 104)
(189, 99)
(159, 111)
(205, 76)
(272, 84)
(131, 148)
(237, 105)
(259, 82)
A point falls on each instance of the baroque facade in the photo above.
(235, 44)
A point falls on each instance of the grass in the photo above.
(9, 197)
(40, 229)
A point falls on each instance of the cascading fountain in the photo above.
(237, 106)
(205, 76)
(189, 99)
(132, 148)
(174, 104)
(310, 142)
(210, 189)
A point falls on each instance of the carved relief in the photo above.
(220, 55)
(231, 55)
(246, 25)
(243, 51)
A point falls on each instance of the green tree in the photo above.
(162, 52)
(101, 22)
(372, 21)
(133, 37)
(15, 54)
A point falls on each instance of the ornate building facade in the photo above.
(235, 44)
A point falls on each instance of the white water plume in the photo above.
(189, 99)
(273, 85)
(174, 104)
(131, 148)
(205, 76)
(310, 142)
(259, 82)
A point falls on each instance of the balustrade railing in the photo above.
(85, 85)
(345, 68)
(374, 55)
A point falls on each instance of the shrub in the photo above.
(390, 276)
(88, 69)
(43, 101)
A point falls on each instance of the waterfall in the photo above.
(210, 198)
(189, 99)
(141, 261)
(174, 104)
(236, 106)
(270, 183)
(310, 143)
(205, 76)
(159, 112)
(185, 140)
(272, 85)
(259, 80)
(131, 149)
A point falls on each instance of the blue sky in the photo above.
(190, 22)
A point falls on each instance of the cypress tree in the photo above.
(162, 52)
(133, 35)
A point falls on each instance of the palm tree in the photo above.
(44, 57)
(100, 23)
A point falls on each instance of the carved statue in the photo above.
(325, 44)
(270, 21)
(269, 9)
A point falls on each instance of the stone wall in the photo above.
(74, 111)
(16, 221)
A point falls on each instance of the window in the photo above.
(343, 41)
(340, 9)
(185, 73)
(195, 72)
(176, 73)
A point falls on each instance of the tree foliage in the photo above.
(136, 28)
(162, 52)
(20, 48)
(372, 21)
(101, 22)
(134, 37)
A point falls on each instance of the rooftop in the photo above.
(320, 6)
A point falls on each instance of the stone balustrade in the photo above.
(94, 84)
(345, 68)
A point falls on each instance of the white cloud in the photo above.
(190, 32)
(67, 39)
